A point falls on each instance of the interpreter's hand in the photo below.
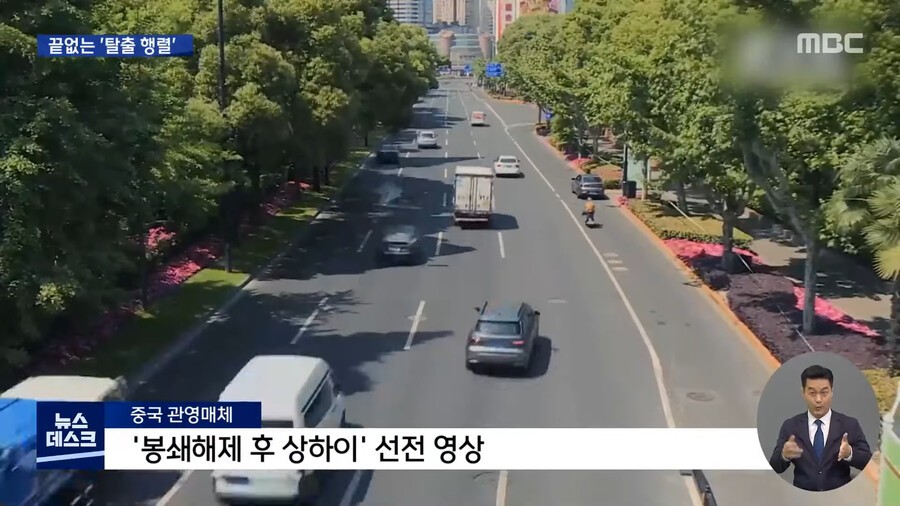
(791, 450)
(844, 452)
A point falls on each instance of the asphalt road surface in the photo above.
(627, 341)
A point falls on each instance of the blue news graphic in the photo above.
(18, 445)
(183, 415)
(70, 435)
(115, 46)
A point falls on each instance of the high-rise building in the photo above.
(507, 11)
(450, 11)
(408, 11)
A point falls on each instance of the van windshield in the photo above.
(278, 424)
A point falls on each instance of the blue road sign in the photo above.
(494, 69)
(548, 114)
(467, 68)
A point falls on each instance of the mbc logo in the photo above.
(828, 43)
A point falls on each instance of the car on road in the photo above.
(588, 185)
(296, 391)
(504, 335)
(507, 166)
(426, 139)
(400, 244)
(388, 155)
(478, 118)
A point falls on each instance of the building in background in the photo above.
(506, 12)
(428, 11)
(408, 11)
(461, 44)
(450, 12)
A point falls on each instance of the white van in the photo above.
(296, 392)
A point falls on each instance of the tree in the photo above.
(868, 201)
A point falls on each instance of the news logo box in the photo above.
(115, 46)
(70, 435)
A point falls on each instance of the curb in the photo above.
(131, 382)
(772, 362)
(872, 470)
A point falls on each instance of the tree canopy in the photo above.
(653, 72)
(94, 152)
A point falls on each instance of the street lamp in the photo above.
(222, 105)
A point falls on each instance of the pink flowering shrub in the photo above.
(690, 252)
(162, 282)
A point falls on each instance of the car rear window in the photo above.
(478, 115)
(508, 159)
(498, 328)
(592, 179)
(426, 134)
(318, 408)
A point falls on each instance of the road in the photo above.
(627, 341)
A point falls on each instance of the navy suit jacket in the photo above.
(828, 473)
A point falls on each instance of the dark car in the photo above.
(388, 155)
(400, 244)
(588, 185)
(504, 335)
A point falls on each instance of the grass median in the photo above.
(153, 330)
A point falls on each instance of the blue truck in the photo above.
(21, 483)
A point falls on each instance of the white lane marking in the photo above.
(400, 171)
(309, 321)
(446, 154)
(611, 255)
(406, 155)
(444, 199)
(620, 268)
(182, 480)
(463, 102)
(437, 247)
(362, 245)
(613, 261)
(502, 485)
(445, 172)
(351, 489)
(415, 325)
(478, 155)
(654, 356)
(446, 142)
(502, 249)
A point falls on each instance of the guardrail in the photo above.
(707, 497)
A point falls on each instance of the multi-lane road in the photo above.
(627, 341)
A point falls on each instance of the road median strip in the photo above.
(146, 334)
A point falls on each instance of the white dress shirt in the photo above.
(826, 426)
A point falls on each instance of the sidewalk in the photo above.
(845, 282)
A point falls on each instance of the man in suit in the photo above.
(820, 443)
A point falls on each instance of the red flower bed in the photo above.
(163, 281)
(772, 307)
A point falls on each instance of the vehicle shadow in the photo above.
(502, 222)
(539, 365)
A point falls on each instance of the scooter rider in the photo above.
(589, 209)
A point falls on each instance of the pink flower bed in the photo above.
(161, 282)
(575, 162)
(690, 251)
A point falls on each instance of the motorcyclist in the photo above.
(589, 209)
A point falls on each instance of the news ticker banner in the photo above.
(115, 46)
(224, 436)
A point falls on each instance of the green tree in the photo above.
(868, 201)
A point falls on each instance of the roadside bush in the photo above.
(612, 184)
(766, 303)
(669, 224)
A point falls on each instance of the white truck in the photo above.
(473, 195)
(21, 483)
